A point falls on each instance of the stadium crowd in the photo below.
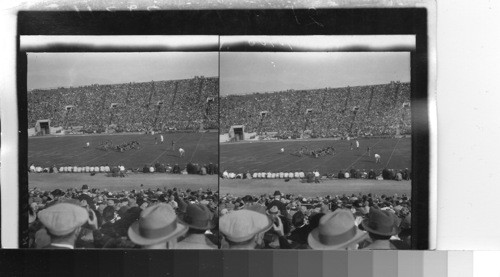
(121, 171)
(200, 219)
(333, 222)
(94, 218)
(132, 107)
(377, 110)
(316, 176)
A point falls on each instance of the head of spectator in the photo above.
(108, 214)
(277, 195)
(122, 211)
(63, 222)
(380, 225)
(57, 193)
(85, 189)
(405, 229)
(111, 203)
(198, 218)
(243, 228)
(157, 226)
(298, 219)
(273, 211)
(336, 231)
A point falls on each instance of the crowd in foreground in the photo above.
(199, 219)
(161, 218)
(279, 221)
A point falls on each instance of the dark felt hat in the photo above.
(198, 217)
(380, 222)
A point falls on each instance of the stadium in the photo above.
(270, 137)
(85, 132)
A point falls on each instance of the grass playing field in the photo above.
(50, 181)
(70, 150)
(266, 155)
(325, 187)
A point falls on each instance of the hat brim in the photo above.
(210, 225)
(135, 237)
(314, 242)
(394, 231)
(242, 239)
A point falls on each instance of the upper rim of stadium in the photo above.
(117, 84)
(307, 89)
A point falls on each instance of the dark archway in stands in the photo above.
(238, 134)
(42, 127)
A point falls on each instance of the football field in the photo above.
(256, 187)
(70, 150)
(51, 181)
(264, 156)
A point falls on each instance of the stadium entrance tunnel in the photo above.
(42, 127)
(238, 134)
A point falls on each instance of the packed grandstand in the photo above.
(130, 107)
(373, 110)
(95, 218)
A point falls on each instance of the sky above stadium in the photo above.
(52, 70)
(242, 73)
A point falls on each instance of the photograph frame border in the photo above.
(251, 22)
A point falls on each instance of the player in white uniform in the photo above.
(282, 150)
(377, 158)
(181, 152)
(88, 145)
(161, 139)
(357, 144)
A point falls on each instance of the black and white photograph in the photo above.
(317, 145)
(122, 150)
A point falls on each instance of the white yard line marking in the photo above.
(159, 156)
(98, 157)
(392, 153)
(163, 153)
(371, 146)
(196, 148)
(180, 137)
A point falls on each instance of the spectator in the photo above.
(243, 229)
(157, 228)
(63, 223)
(380, 225)
(277, 202)
(336, 231)
(199, 219)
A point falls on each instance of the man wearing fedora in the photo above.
(272, 239)
(63, 222)
(157, 228)
(277, 202)
(336, 231)
(243, 229)
(199, 219)
(381, 226)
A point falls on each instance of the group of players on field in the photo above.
(329, 150)
(303, 150)
(107, 145)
